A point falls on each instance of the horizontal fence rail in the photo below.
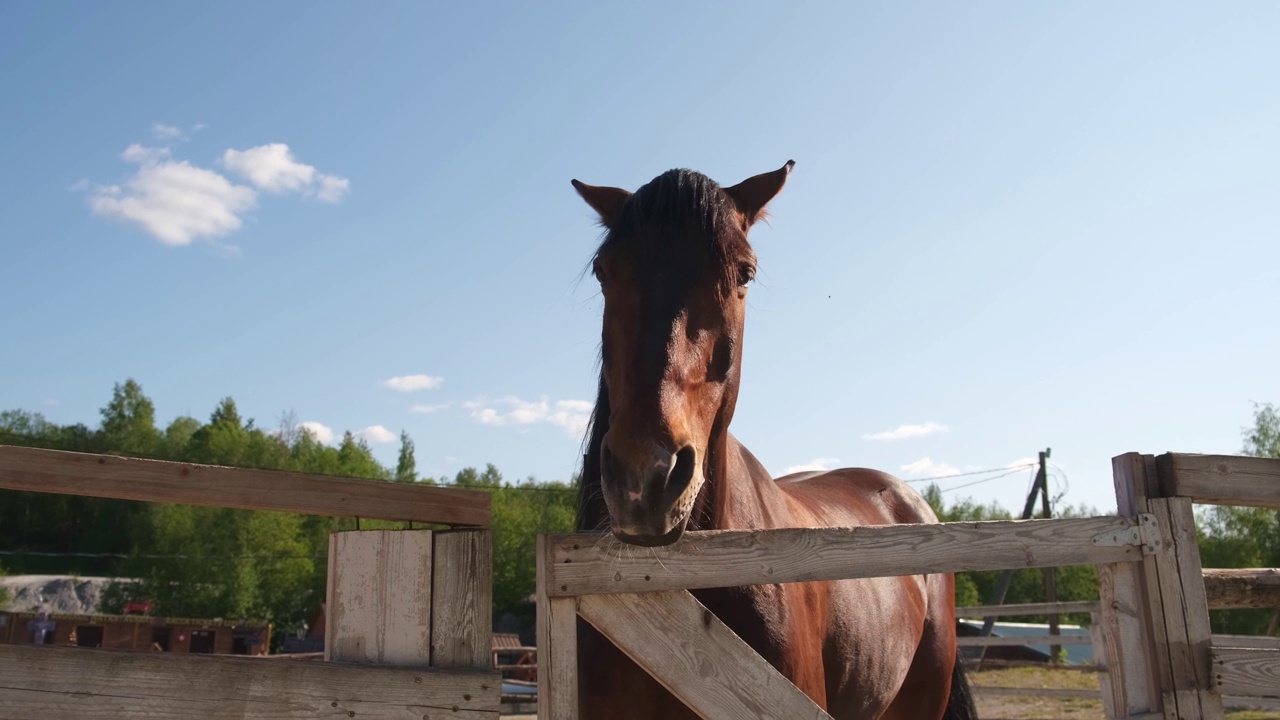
(57, 682)
(1221, 479)
(586, 564)
(111, 476)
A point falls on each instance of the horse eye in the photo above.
(598, 270)
(746, 273)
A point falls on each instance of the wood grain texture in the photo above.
(1247, 671)
(1133, 684)
(57, 683)
(1016, 609)
(109, 476)
(462, 600)
(1221, 479)
(580, 565)
(557, 646)
(1193, 600)
(1242, 588)
(1246, 641)
(379, 597)
(695, 656)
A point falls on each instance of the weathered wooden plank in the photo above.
(698, 658)
(1063, 693)
(65, 683)
(1133, 684)
(581, 565)
(1247, 671)
(1242, 588)
(1012, 640)
(1015, 609)
(1221, 479)
(1239, 702)
(1246, 641)
(557, 646)
(1187, 610)
(1111, 688)
(462, 600)
(110, 476)
(379, 597)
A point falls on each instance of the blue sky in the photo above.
(1010, 225)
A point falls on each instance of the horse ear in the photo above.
(752, 194)
(607, 201)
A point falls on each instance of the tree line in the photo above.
(211, 562)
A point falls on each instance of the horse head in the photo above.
(674, 268)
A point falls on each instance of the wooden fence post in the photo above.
(557, 645)
(1167, 593)
(379, 597)
(462, 599)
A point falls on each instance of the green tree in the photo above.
(129, 421)
(1239, 537)
(406, 466)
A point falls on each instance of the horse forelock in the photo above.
(681, 220)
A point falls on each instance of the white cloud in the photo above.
(572, 415)
(428, 409)
(816, 464)
(51, 402)
(412, 383)
(320, 432)
(178, 202)
(332, 188)
(902, 432)
(173, 200)
(377, 434)
(924, 467)
(273, 168)
(160, 131)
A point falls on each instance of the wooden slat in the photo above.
(1012, 640)
(1240, 702)
(581, 565)
(1187, 610)
(462, 600)
(685, 647)
(64, 683)
(1246, 641)
(109, 476)
(1222, 479)
(1015, 609)
(557, 646)
(1242, 588)
(379, 597)
(1247, 671)
(1062, 693)
(1128, 639)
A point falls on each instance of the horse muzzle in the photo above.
(649, 498)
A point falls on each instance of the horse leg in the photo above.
(927, 688)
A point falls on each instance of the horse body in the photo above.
(660, 460)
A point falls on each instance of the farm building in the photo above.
(136, 632)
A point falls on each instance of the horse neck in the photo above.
(738, 493)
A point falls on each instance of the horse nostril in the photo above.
(682, 473)
(608, 469)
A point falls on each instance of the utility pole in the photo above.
(1006, 577)
(1050, 574)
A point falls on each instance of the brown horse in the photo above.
(674, 268)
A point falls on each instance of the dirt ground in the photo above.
(1031, 707)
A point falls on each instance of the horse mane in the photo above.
(680, 219)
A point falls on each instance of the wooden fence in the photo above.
(408, 614)
(1151, 633)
